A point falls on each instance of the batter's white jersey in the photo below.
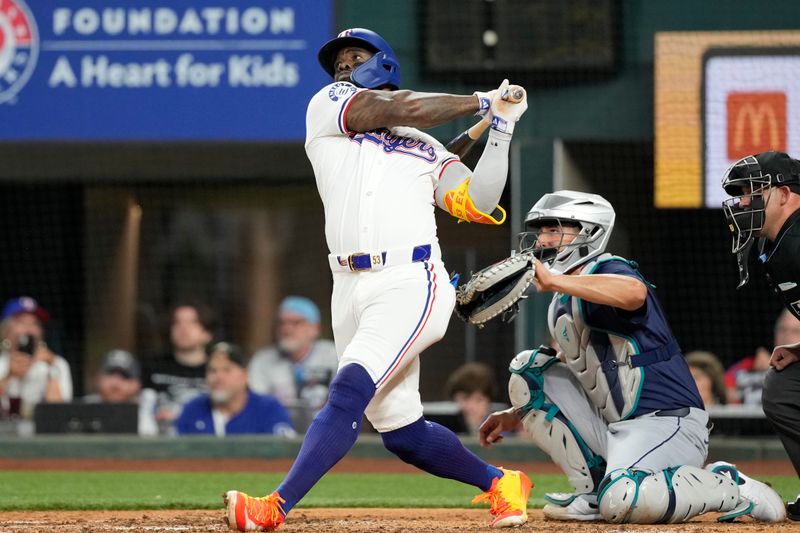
(378, 192)
(377, 187)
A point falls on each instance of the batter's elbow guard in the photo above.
(459, 204)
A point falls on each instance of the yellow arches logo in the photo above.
(756, 123)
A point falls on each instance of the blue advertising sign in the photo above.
(159, 70)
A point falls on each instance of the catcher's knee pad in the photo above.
(671, 495)
(551, 431)
(526, 385)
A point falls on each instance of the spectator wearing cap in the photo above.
(29, 371)
(298, 369)
(119, 380)
(230, 407)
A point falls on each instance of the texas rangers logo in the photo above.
(397, 144)
(19, 47)
(341, 90)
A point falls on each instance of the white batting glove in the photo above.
(506, 113)
(485, 104)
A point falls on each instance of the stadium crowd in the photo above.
(200, 387)
(208, 387)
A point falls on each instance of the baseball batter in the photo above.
(616, 406)
(379, 178)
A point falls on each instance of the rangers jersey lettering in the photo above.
(377, 187)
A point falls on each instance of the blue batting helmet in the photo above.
(382, 69)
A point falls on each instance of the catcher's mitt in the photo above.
(495, 290)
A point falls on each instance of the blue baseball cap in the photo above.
(25, 304)
(302, 306)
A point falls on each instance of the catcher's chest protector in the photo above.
(600, 359)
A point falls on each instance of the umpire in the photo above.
(766, 205)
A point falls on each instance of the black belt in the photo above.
(680, 412)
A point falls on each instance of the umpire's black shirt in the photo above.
(781, 258)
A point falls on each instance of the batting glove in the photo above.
(485, 104)
(505, 113)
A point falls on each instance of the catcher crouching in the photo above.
(616, 406)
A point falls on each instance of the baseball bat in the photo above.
(464, 142)
(516, 95)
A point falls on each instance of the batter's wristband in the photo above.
(461, 145)
(501, 125)
(484, 103)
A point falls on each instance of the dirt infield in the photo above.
(340, 520)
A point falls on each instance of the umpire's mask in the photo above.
(745, 182)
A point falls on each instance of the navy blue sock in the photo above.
(436, 450)
(332, 433)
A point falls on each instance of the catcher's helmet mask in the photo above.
(590, 214)
(530, 239)
(379, 71)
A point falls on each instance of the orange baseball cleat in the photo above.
(508, 498)
(247, 513)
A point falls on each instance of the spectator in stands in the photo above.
(745, 379)
(709, 376)
(118, 380)
(180, 376)
(29, 371)
(472, 387)
(230, 407)
(298, 369)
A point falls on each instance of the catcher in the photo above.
(616, 408)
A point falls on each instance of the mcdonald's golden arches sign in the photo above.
(720, 96)
(756, 123)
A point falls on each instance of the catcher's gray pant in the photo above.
(650, 443)
(654, 461)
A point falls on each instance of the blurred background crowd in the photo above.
(204, 385)
(200, 385)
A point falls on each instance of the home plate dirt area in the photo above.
(340, 520)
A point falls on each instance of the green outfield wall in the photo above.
(367, 446)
